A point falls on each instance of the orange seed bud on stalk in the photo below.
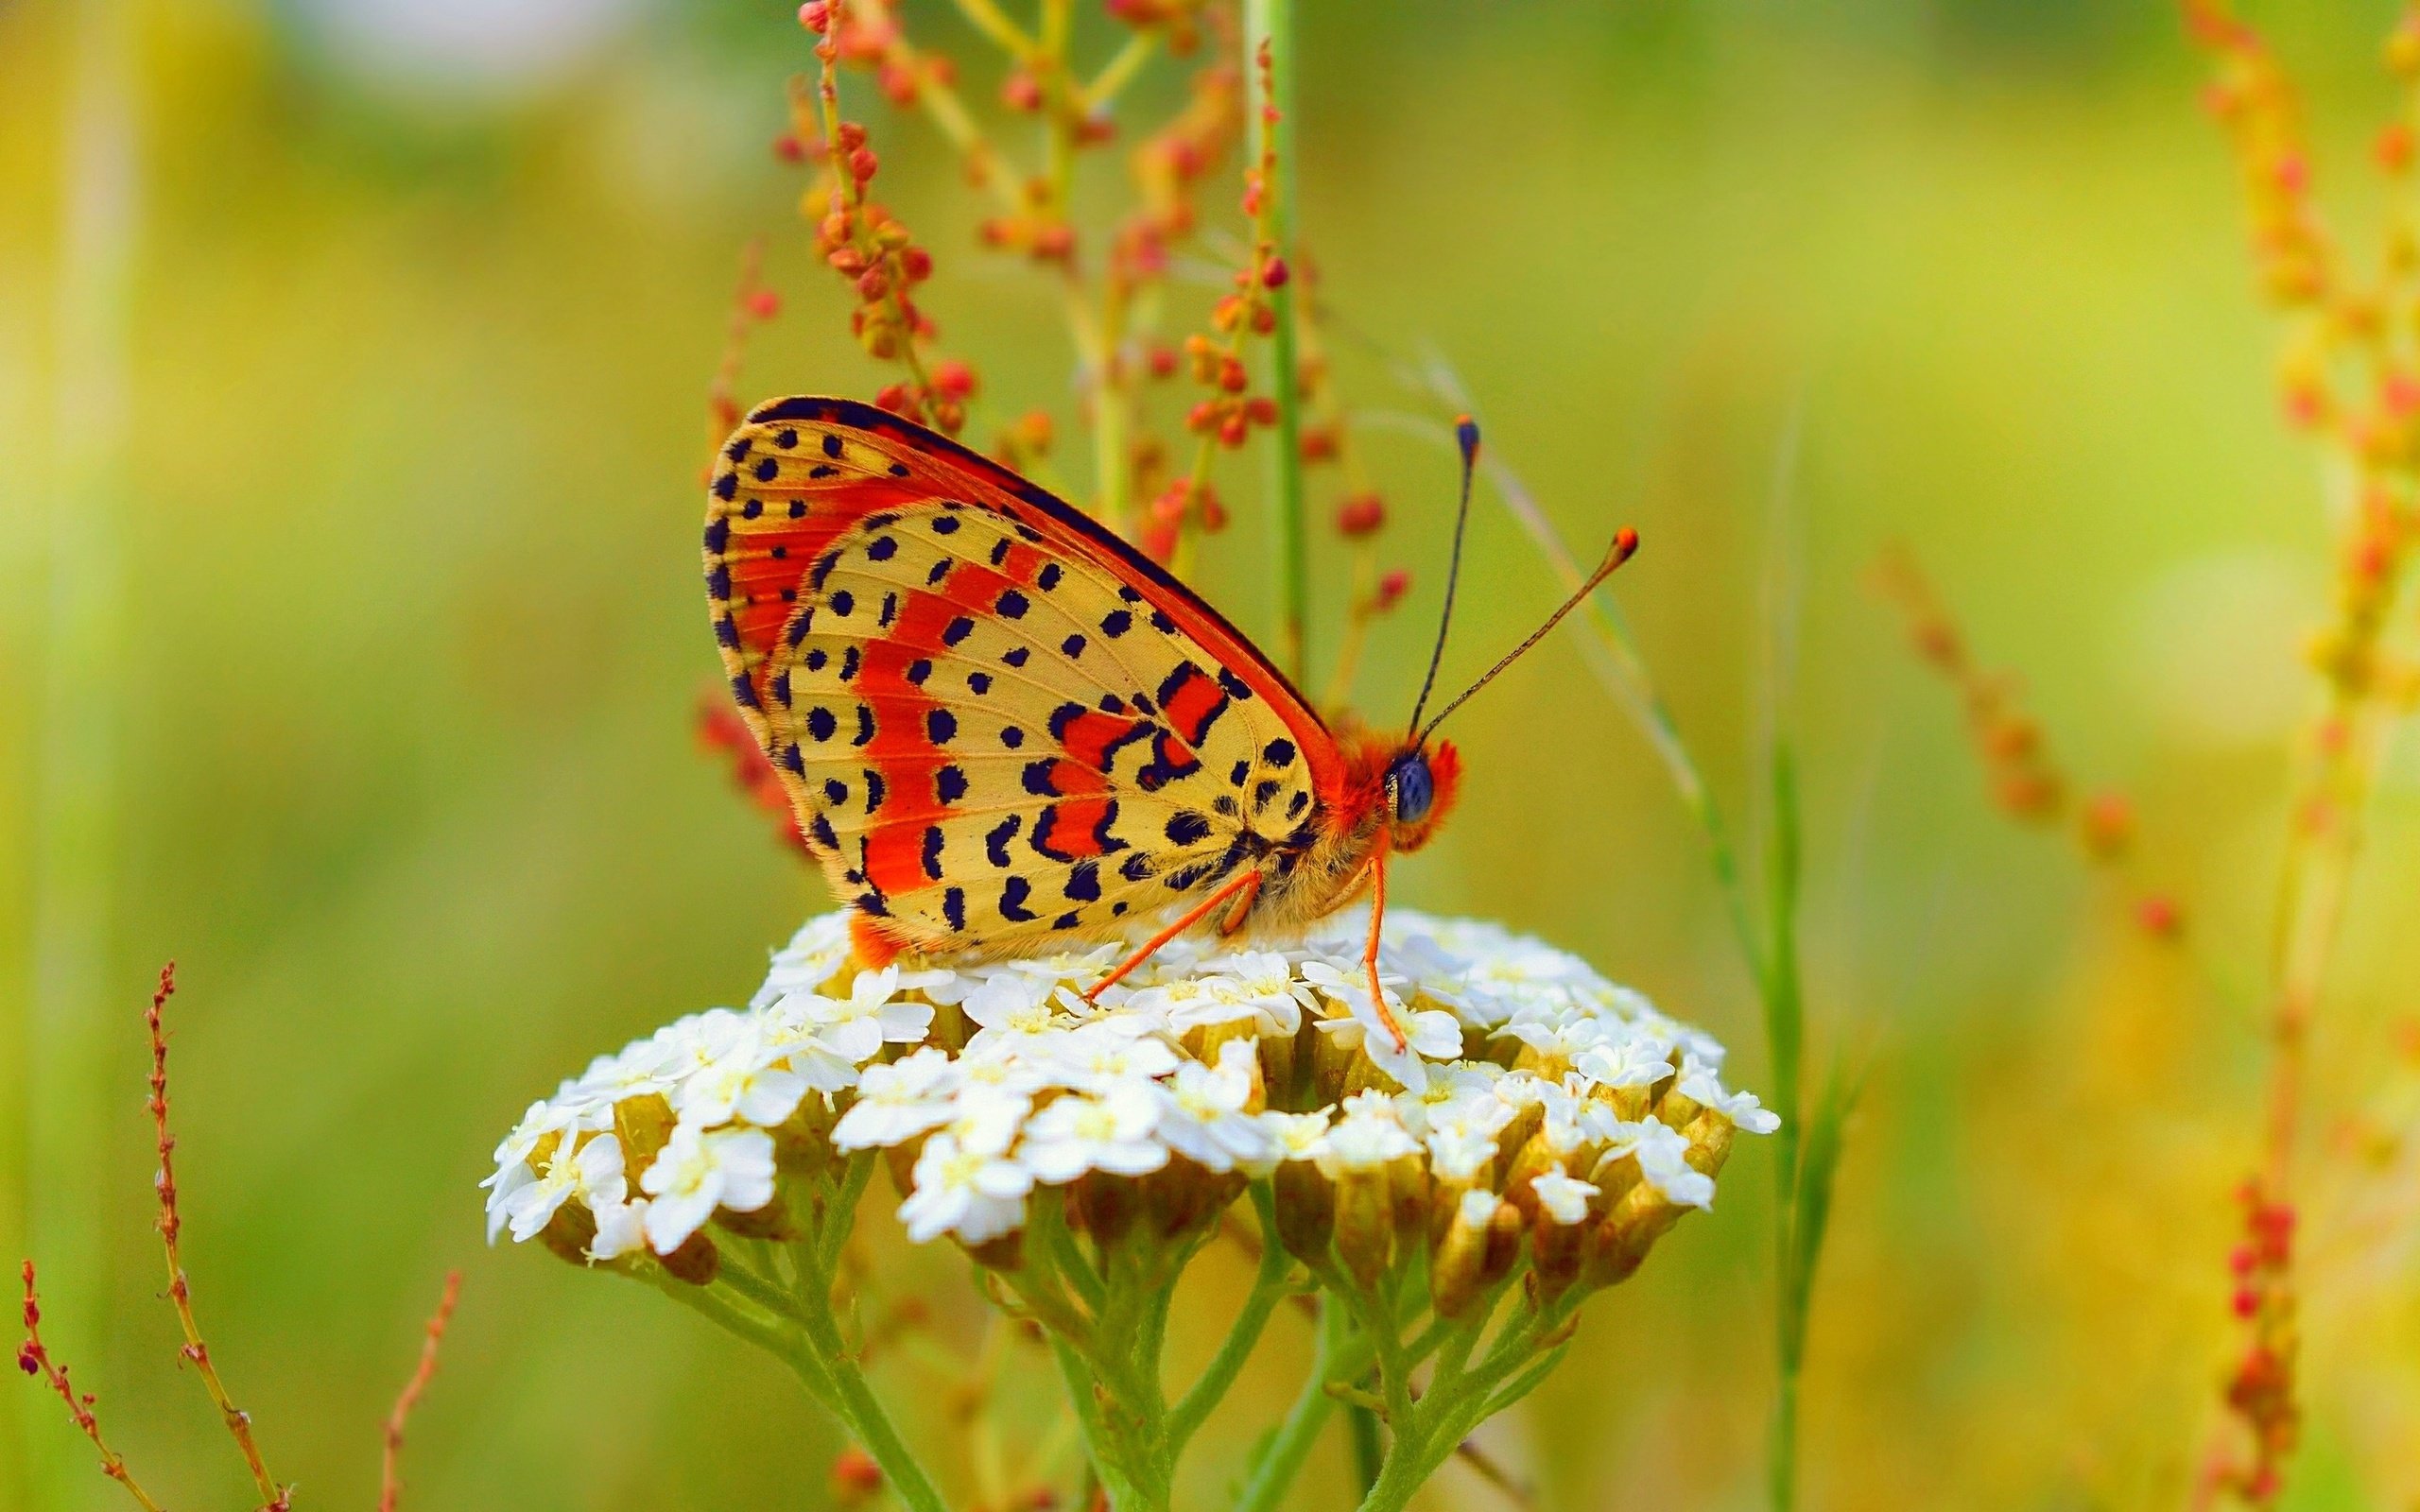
(1391, 588)
(764, 304)
(815, 15)
(1361, 515)
(2159, 915)
(2393, 147)
(2108, 823)
(857, 1480)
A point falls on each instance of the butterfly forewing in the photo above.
(996, 723)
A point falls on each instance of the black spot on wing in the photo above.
(1013, 894)
(995, 844)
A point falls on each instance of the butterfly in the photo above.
(1004, 729)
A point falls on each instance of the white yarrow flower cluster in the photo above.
(1509, 1077)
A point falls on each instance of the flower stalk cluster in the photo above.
(2350, 375)
(36, 1358)
(1453, 1200)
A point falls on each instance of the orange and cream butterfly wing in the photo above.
(998, 723)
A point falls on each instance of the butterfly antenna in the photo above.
(1466, 434)
(1625, 546)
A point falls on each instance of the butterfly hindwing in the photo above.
(996, 722)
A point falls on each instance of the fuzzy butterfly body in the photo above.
(998, 724)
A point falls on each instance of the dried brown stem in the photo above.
(723, 395)
(34, 1359)
(391, 1486)
(274, 1498)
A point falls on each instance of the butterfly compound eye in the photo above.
(1412, 788)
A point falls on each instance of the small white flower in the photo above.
(809, 962)
(1664, 1161)
(1565, 1200)
(985, 1117)
(590, 1173)
(753, 1082)
(1698, 1083)
(1074, 1133)
(1258, 985)
(1296, 1136)
(900, 1100)
(1632, 1060)
(1203, 1113)
(1096, 1056)
(871, 1016)
(1366, 1138)
(698, 1171)
(974, 1195)
(621, 1228)
(1011, 1003)
(545, 1117)
(1456, 1155)
(1432, 1033)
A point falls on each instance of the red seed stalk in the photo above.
(751, 304)
(391, 1483)
(2343, 381)
(274, 1498)
(721, 731)
(34, 1359)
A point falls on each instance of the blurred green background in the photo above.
(353, 360)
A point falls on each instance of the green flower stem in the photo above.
(1343, 1356)
(1271, 24)
(758, 1289)
(1426, 1431)
(1271, 1285)
(854, 1403)
(840, 1216)
(734, 1318)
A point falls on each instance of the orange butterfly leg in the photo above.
(1244, 888)
(1370, 953)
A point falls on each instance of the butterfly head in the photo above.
(1421, 784)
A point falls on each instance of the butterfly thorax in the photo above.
(1393, 792)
